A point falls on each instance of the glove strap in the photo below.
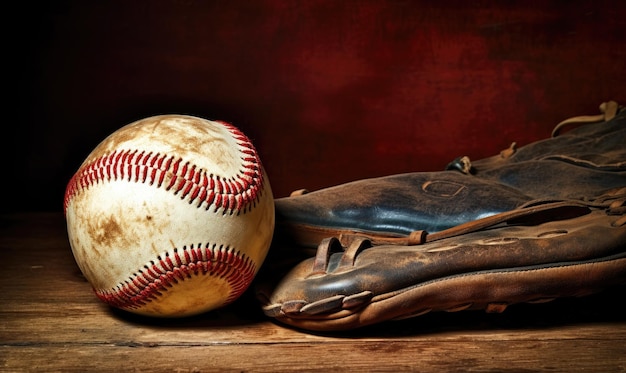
(608, 109)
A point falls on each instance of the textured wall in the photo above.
(329, 91)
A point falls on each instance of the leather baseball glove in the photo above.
(583, 163)
(532, 224)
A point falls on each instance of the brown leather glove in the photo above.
(584, 162)
(561, 232)
(536, 256)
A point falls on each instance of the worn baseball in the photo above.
(170, 216)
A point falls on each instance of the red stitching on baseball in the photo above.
(151, 281)
(238, 194)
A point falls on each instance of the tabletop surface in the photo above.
(50, 320)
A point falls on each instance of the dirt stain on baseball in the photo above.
(105, 231)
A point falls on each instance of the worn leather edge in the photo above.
(489, 290)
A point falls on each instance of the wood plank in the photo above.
(69, 325)
(384, 356)
(51, 321)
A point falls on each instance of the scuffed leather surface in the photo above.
(585, 161)
(402, 203)
(487, 269)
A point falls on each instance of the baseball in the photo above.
(170, 216)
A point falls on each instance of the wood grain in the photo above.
(51, 321)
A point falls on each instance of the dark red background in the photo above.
(329, 91)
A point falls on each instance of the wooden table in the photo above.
(51, 321)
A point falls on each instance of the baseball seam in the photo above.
(150, 282)
(234, 194)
